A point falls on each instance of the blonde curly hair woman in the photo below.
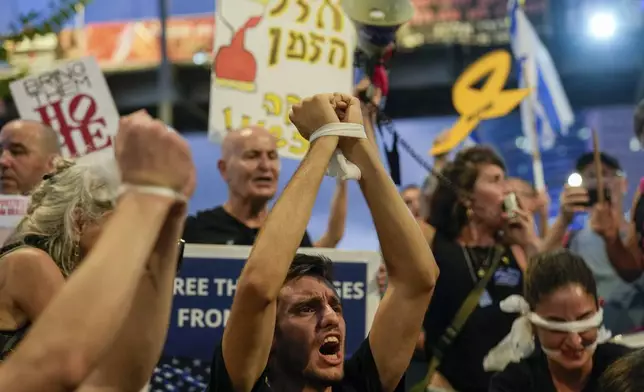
(64, 218)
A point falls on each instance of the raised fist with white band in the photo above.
(331, 115)
(124, 289)
(153, 160)
(270, 274)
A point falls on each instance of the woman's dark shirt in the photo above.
(462, 363)
(532, 374)
(9, 339)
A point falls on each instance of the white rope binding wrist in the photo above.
(339, 166)
(151, 190)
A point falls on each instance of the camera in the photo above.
(576, 180)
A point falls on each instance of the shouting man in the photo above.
(286, 330)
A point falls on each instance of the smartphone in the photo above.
(182, 247)
(593, 196)
(576, 180)
(510, 205)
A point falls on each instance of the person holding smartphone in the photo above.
(601, 238)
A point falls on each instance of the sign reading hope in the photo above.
(207, 282)
(73, 99)
(476, 104)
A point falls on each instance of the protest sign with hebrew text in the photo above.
(270, 54)
(73, 99)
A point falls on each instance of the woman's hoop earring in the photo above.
(77, 252)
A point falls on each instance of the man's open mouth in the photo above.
(263, 180)
(330, 348)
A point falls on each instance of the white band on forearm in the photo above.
(152, 190)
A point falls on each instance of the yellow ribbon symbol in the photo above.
(474, 104)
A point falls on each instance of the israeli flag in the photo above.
(547, 108)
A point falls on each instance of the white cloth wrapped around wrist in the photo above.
(152, 190)
(339, 166)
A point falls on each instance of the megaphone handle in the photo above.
(369, 93)
(366, 95)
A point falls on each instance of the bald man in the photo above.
(28, 152)
(250, 166)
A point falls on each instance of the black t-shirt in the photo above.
(532, 374)
(217, 227)
(360, 374)
(462, 363)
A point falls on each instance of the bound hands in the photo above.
(313, 113)
(149, 155)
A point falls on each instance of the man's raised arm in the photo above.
(128, 364)
(408, 258)
(249, 332)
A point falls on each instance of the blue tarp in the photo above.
(104, 10)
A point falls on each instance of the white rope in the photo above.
(339, 166)
(151, 190)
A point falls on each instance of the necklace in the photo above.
(477, 271)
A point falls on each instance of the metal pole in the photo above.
(165, 70)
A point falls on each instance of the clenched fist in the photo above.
(348, 108)
(313, 113)
(149, 154)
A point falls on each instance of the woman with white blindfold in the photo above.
(558, 344)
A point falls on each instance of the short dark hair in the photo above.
(625, 374)
(316, 266)
(550, 271)
(589, 157)
(448, 212)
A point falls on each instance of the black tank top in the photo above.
(462, 363)
(10, 339)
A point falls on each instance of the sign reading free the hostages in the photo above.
(73, 99)
(206, 284)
